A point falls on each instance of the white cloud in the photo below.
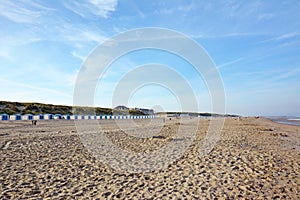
(89, 8)
(230, 62)
(77, 55)
(22, 12)
(265, 16)
(30, 87)
(282, 37)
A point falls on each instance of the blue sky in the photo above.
(254, 44)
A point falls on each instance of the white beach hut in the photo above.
(67, 117)
(57, 116)
(48, 116)
(27, 117)
(15, 117)
(74, 117)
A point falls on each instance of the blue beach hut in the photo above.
(4, 117)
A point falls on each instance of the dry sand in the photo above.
(254, 159)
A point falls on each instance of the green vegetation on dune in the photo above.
(11, 108)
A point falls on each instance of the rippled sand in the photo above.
(255, 158)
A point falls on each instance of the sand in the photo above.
(254, 159)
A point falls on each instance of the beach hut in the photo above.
(57, 116)
(87, 117)
(4, 117)
(74, 117)
(27, 117)
(15, 117)
(48, 116)
(67, 117)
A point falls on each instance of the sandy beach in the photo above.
(255, 158)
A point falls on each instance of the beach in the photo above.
(255, 158)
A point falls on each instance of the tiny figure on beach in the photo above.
(33, 122)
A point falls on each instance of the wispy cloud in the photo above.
(230, 62)
(226, 35)
(89, 8)
(79, 56)
(15, 84)
(286, 75)
(265, 16)
(281, 37)
(23, 12)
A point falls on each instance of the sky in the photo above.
(255, 45)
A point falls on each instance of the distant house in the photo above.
(145, 111)
(184, 115)
(121, 108)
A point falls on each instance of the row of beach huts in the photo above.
(5, 117)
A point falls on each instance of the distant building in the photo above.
(184, 115)
(121, 108)
(145, 111)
